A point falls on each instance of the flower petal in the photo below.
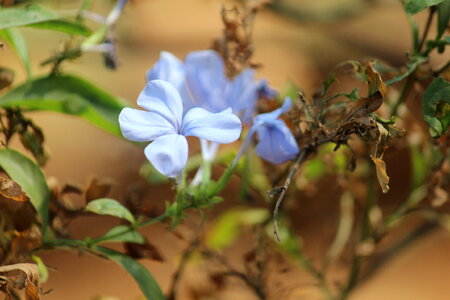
(168, 154)
(168, 68)
(206, 80)
(273, 115)
(143, 126)
(223, 127)
(276, 142)
(161, 97)
(242, 90)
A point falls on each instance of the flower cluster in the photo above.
(165, 124)
(214, 106)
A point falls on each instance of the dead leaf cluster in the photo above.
(16, 277)
(69, 201)
(235, 44)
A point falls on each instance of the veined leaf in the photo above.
(67, 94)
(110, 207)
(16, 40)
(415, 6)
(122, 233)
(36, 16)
(29, 176)
(143, 277)
(436, 106)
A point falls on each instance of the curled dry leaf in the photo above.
(20, 276)
(10, 189)
(14, 204)
(22, 245)
(377, 92)
(97, 189)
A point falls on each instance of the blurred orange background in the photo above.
(303, 52)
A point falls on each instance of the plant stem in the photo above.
(431, 12)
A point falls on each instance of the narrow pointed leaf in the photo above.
(16, 41)
(141, 275)
(68, 94)
(39, 17)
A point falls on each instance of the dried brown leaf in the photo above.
(22, 276)
(6, 77)
(375, 82)
(97, 189)
(440, 196)
(32, 291)
(11, 189)
(146, 250)
(382, 176)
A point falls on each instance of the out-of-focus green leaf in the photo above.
(443, 13)
(290, 90)
(149, 173)
(141, 275)
(289, 242)
(314, 168)
(122, 233)
(42, 268)
(415, 6)
(38, 17)
(227, 227)
(418, 165)
(29, 176)
(67, 94)
(436, 106)
(110, 207)
(16, 40)
(410, 68)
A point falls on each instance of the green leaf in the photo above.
(63, 26)
(29, 176)
(443, 13)
(411, 66)
(143, 277)
(42, 268)
(38, 17)
(122, 233)
(67, 94)
(110, 207)
(227, 227)
(414, 6)
(16, 40)
(436, 106)
(315, 168)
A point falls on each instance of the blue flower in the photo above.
(276, 142)
(202, 82)
(163, 123)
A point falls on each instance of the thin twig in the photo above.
(283, 190)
